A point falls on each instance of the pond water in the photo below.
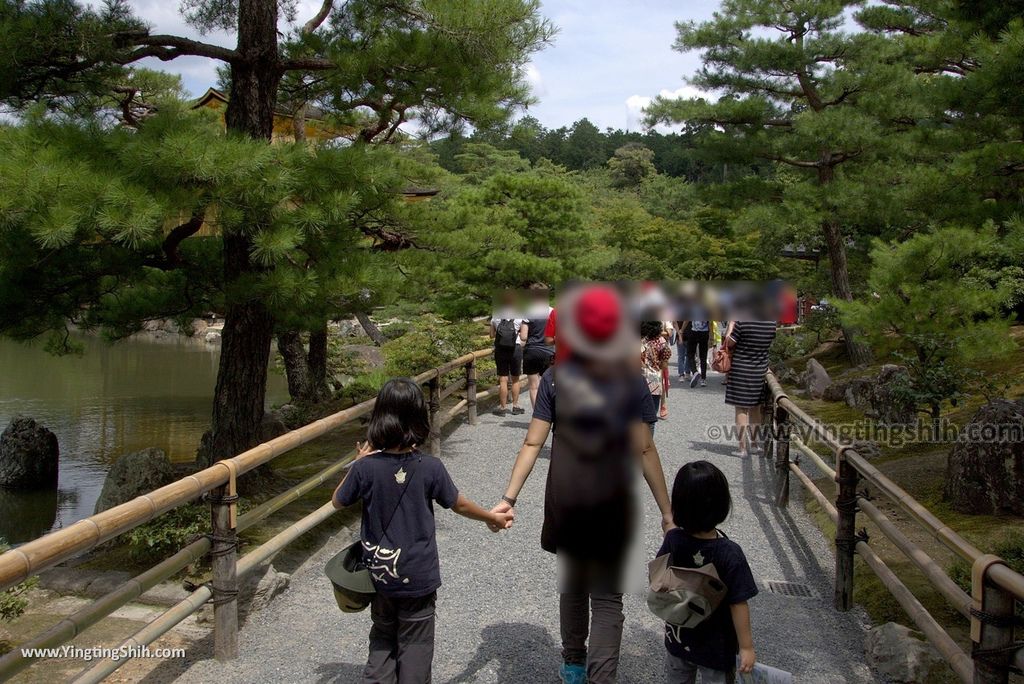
(112, 400)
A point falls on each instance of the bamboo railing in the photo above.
(217, 484)
(995, 589)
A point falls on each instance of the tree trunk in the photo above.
(240, 392)
(306, 372)
(316, 361)
(372, 331)
(299, 124)
(296, 367)
(839, 270)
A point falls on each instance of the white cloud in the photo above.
(535, 80)
(636, 104)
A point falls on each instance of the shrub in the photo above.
(12, 600)
(787, 346)
(167, 534)
(365, 385)
(431, 342)
(821, 322)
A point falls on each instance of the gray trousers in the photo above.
(679, 671)
(604, 630)
(401, 640)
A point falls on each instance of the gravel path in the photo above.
(497, 611)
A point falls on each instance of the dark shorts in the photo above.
(509, 360)
(536, 360)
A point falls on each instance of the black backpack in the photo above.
(505, 333)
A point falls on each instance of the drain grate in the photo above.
(791, 589)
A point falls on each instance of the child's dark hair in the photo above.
(700, 497)
(650, 330)
(400, 419)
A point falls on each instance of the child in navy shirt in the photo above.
(398, 485)
(700, 502)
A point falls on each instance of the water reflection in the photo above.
(112, 400)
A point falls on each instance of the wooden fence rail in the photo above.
(995, 591)
(218, 483)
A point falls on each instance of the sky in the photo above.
(609, 59)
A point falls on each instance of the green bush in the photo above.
(431, 342)
(365, 385)
(168, 534)
(12, 599)
(821, 322)
(425, 342)
(787, 346)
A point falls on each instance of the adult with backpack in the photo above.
(509, 331)
(601, 440)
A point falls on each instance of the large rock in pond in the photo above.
(29, 455)
(985, 471)
(815, 379)
(903, 656)
(133, 475)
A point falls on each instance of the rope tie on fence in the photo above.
(221, 545)
(219, 595)
(222, 596)
(1001, 621)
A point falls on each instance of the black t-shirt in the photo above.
(535, 331)
(405, 563)
(544, 408)
(712, 643)
(588, 504)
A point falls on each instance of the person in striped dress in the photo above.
(749, 341)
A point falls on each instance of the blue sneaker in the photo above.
(572, 673)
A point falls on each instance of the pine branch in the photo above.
(307, 64)
(166, 47)
(179, 233)
(314, 23)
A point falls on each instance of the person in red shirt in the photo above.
(561, 348)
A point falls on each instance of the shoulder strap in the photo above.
(384, 531)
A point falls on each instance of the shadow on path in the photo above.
(517, 652)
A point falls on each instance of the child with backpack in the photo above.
(701, 582)
(398, 485)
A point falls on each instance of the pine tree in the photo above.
(630, 165)
(798, 91)
(456, 62)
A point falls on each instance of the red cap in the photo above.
(598, 314)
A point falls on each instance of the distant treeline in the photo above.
(584, 146)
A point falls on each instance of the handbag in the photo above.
(684, 597)
(721, 361)
(347, 571)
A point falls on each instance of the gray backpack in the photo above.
(684, 597)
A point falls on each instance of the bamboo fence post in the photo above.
(224, 555)
(435, 406)
(781, 442)
(846, 534)
(991, 627)
(471, 391)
